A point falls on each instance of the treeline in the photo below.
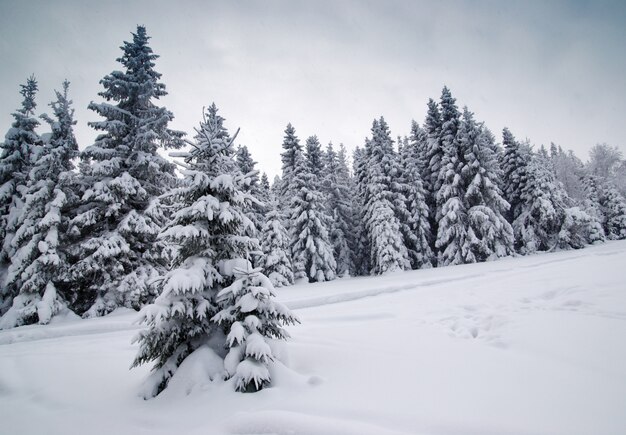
(115, 226)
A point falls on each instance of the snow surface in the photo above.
(531, 345)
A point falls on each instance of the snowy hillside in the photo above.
(531, 345)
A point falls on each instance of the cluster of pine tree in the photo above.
(446, 194)
(201, 251)
(123, 230)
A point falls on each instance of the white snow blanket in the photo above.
(532, 345)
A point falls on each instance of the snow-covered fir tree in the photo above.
(418, 140)
(361, 253)
(432, 156)
(252, 317)
(265, 190)
(489, 234)
(452, 240)
(541, 209)
(292, 148)
(39, 258)
(115, 227)
(275, 247)
(206, 301)
(591, 201)
(579, 229)
(19, 148)
(311, 251)
(397, 188)
(419, 242)
(615, 213)
(337, 186)
(608, 205)
(384, 205)
(515, 160)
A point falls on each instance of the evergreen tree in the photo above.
(361, 253)
(292, 148)
(515, 160)
(383, 204)
(275, 247)
(489, 233)
(19, 148)
(116, 225)
(433, 154)
(252, 317)
(211, 298)
(579, 229)
(38, 242)
(311, 251)
(418, 141)
(591, 202)
(541, 210)
(265, 191)
(613, 208)
(452, 241)
(418, 247)
(340, 205)
(387, 250)
(315, 158)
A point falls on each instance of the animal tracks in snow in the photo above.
(476, 322)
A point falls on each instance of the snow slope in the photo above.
(532, 345)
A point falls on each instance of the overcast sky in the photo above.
(549, 70)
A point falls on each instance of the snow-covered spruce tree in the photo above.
(275, 247)
(418, 140)
(604, 203)
(116, 225)
(579, 229)
(489, 234)
(420, 253)
(388, 253)
(613, 208)
(292, 147)
(390, 162)
(385, 239)
(361, 253)
(338, 191)
(452, 240)
(252, 317)
(204, 301)
(433, 155)
(515, 160)
(311, 251)
(541, 209)
(265, 191)
(38, 242)
(18, 150)
(591, 201)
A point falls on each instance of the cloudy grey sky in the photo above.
(549, 70)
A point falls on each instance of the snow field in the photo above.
(531, 345)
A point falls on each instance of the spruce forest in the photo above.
(199, 242)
